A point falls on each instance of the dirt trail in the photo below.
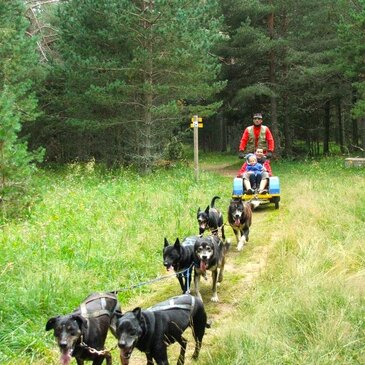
(241, 270)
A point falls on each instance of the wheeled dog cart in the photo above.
(273, 195)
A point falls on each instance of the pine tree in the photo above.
(18, 65)
(137, 68)
(281, 60)
(350, 57)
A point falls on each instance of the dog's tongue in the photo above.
(203, 265)
(237, 222)
(170, 268)
(65, 358)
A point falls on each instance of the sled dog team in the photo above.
(82, 333)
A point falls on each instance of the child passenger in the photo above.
(255, 175)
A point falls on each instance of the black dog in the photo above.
(211, 218)
(152, 330)
(180, 257)
(209, 254)
(82, 333)
(240, 219)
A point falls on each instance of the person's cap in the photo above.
(249, 155)
(257, 116)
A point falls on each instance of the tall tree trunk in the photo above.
(355, 131)
(341, 130)
(148, 74)
(362, 135)
(272, 77)
(287, 133)
(326, 133)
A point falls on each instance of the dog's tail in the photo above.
(227, 245)
(213, 201)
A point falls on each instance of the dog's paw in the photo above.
(241, 244)
(214, 298)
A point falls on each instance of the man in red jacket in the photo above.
(257, 136)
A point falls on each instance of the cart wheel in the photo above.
(276, 202)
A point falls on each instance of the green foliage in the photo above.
(307, 307)
(93, 230)
(96, 229)
(126, 65)
(351, 50)
(18, 67)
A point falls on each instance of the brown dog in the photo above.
(240, 219)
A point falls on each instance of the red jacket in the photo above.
(256, 130)
(266, 165)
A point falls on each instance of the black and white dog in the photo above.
(152, 330)
(209, 254)
(211, 219)
(240, 219)
(180, 258)
(82, 333)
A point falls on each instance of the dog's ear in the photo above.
(207, 210)
(198, 212)
(81, 321)
(166, 242)
(137, 312)
(51, 323)
(177, 244)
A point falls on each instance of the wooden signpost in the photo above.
(196, 123)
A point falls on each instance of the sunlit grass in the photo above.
(96, 230)
(308, 306)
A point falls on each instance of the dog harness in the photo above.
(103, 311)
(172, 304)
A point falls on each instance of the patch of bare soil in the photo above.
(224, 169)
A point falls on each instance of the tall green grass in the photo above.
(91, 230)
(308, 307)
(97, 230)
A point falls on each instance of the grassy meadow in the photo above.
(294, 295)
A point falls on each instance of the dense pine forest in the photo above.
(96, 155)
(117, 81)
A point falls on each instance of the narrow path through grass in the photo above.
(241, 270)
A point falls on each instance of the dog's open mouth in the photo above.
(170, 268)
(203, 265)
(125, 354)
(65, 358)
(203, 225)
(237, 221)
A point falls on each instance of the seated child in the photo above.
(251, 172)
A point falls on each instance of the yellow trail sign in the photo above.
(199, 125)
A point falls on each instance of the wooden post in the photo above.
(196, 147)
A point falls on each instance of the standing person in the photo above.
(257, 136)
